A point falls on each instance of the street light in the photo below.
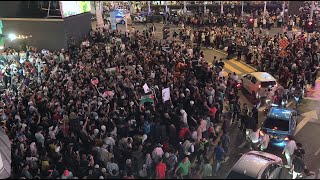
(12, 37)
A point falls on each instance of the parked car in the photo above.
(256, 165)
(259, 82)
(140, 19)
(279, 123)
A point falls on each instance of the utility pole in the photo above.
(149, 10)
(204, 7)
(184, 6)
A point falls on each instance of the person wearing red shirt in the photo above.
(183, 133)
(161, 170)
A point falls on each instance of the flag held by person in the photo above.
(147, 98)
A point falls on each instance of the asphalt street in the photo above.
(308, 123)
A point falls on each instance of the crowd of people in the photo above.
(286, 54)
(84, 112)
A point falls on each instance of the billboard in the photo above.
(70, 8)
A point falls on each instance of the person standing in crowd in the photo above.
(264, 142)
(219, 155)
(298, 165)
(161, 170)
(184, 168)
(225, 139)
(289, 150)
(207, 169)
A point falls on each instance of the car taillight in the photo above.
(261, 133)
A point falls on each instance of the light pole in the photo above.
(221, 3)
(166, 15)
(1, 36)
(311, 17)
(166, 3)
(149, 10)
(283, 7)
(264, 11)
(242, 2)
(130, 7)
(184, 6)
(204, 7)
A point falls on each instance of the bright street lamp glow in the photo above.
(12, 37)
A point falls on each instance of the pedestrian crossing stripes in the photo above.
(238, 67)
(233, 65)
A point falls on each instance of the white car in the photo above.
(258, 83)
(140, 19)
(119, 20)
(257, 165)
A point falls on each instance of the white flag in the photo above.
(166, 94)
(146, 88)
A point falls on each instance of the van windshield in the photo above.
(266, 84)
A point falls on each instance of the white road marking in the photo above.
(317, 152)
(308, 116)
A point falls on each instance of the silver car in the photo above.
(256, 165)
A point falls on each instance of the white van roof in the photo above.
(263, 76)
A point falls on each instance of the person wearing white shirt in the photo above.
(53, 132)
(221, 74)
(109, 141)
(184, 116)
(289, 150)
(254, 138)
(264, 141)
